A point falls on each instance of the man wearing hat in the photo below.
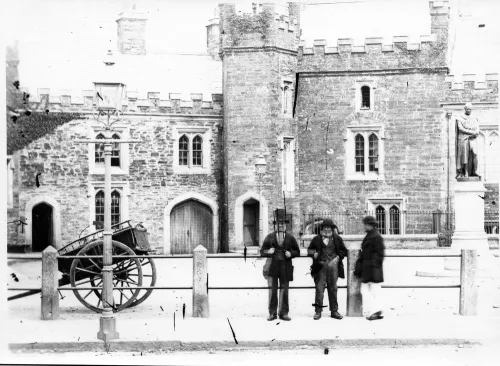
(282, 247)
(328, 251)
(372, 257)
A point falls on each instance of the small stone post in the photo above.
(50, 296)
(200, 283)
(354, 299)
(468, 286)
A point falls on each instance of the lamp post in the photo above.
(108, 96)
(260, 169)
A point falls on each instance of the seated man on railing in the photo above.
(328, 251)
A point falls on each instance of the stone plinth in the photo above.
(200, 283)
(469, 222)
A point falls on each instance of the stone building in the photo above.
(343, 128)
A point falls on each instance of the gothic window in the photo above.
(394, 219)
(288, 165)
(380, 217)
(287, 98)
(365, 97)
(373, 153)
(360, 153)
(183, 150)
(99, 207)
(197, 151)
(115, 152)
(115, 208)
(99, 150)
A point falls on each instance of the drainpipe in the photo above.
(448, 118)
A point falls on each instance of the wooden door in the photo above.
(251, 224)
(191, 224)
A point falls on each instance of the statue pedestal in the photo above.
(469, 223)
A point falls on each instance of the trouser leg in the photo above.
(273, 301)
(375, 289)
(332, 278)
(284, 308)
(366, 298)
(320, 282)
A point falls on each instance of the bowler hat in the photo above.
(370, 220)
(328, 222)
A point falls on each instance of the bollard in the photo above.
(354, 299)
(468, 286)
(200, 283)
(50, 296)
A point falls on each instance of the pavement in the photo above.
(158, 333)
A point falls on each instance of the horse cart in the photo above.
(129, 274)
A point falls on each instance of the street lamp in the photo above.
(260, 169)
(108, 95)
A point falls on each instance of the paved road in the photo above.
(442, 356)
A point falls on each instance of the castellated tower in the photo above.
(132, 32)
(259, 54)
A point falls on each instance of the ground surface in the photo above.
(437, 355)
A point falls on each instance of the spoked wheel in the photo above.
(149, 279)
(86, 273)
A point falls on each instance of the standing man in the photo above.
(467, 130)
(328, 251)
(282, 247)
(372, 257)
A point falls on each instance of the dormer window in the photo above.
(365, 97)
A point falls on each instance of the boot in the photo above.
(272, 317)
(376, 316)
(317, 316)
(336, 315)
(285, 317)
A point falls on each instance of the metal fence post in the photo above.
(50, 296)
(200, 283)
(354, 299)
(468, 286)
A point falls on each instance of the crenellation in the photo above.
(413, 47)
(329, 50)
(358, 49)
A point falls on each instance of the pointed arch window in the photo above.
(99, 207)
(394, 220)
(115, 152)
(373, 153)
(99, 150)
(287, 98)
(359, 153)
(197, 151)
(115, 207)
(380, 217)
(183, 150)
(365, 97)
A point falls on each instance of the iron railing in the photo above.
(391, 222)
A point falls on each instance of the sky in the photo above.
(57, 33)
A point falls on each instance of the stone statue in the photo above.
(467, 130)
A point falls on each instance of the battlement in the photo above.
(472, 88)
(266, 25)
(134, 102)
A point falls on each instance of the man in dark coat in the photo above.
(328, 251)
(372, 257)
(282, 247)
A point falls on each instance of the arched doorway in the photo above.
(42, 227)
(191, 224)
(251, 222)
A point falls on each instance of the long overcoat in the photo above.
(318, 245)
(289, 244)
(372, 254)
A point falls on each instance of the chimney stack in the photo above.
(132, 32)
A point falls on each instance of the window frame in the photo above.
(99, 168)
(358, 95)
(388, 203)
(350, 136)
(284, 169)
(122, 187)
(191, 132)
(287, 97)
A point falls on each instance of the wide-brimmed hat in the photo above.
(328, 222)
(370, 220)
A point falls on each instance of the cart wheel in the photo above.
(149, 276)
(86, 273)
